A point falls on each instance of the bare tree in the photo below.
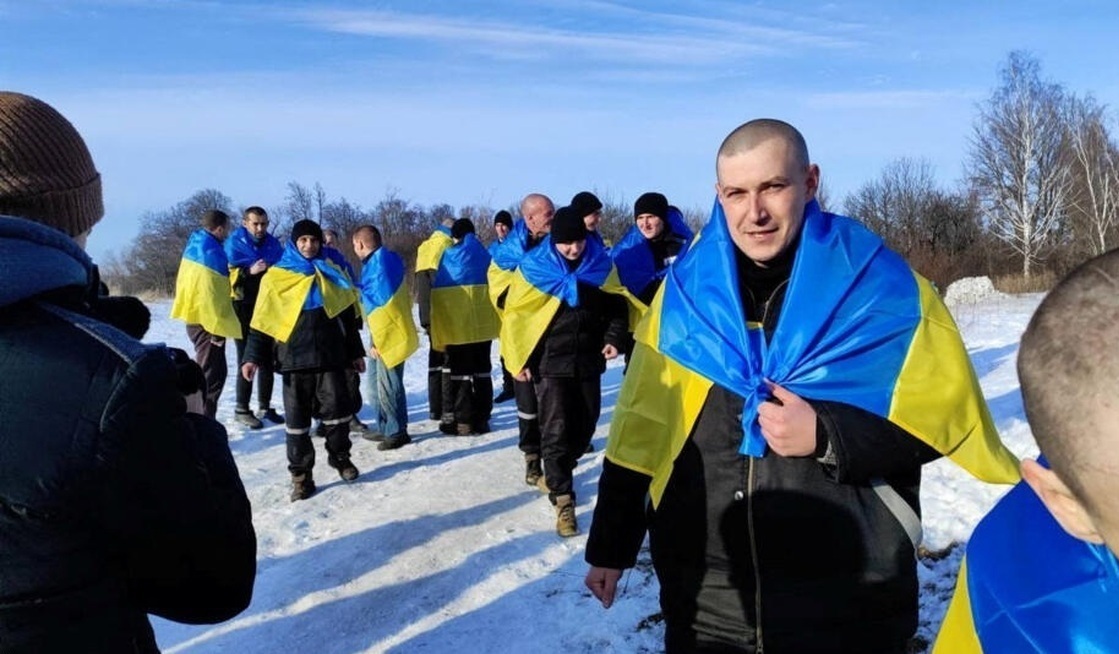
(298, 203)
(1094, 202)
(320, 200)
(897, 205)
(1016, 161)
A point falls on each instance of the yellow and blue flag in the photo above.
(296, 284)
(857, 326)
(507, 256)
(461, 312)
(431, 250)
(1027, 586)
(243, 251)
(202, 287)
(541, 283)
(634, 258)
(387, 307)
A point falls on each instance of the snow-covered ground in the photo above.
(441, 547)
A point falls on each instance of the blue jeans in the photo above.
(391, 401)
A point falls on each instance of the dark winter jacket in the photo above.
(114, 502)
(317, 343)
(664, 247)
(760, 548)
(572, 344)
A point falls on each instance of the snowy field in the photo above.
(441, 547)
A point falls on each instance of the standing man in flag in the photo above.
(388, 312)
(202, 301)
(789, 380)
(427, 262)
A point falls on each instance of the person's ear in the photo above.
(1068, 511)
(812, 182)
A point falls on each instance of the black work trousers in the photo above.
(569, 410)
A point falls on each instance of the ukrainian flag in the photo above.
(202, 287)
(387, 307)
(1028, 586)
(243, 251)
(431, 250)
(507, 256)
(296, 284)
(541, 283)
(634, 258)
(461, 312)
(857, 326)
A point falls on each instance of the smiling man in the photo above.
(789, 380)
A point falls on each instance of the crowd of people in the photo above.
(786, 377)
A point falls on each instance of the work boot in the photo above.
(566, 526)
(302, 487)
(542, 484)
(533, 472)
(270, 415)
(505, 395)
(463, 429)
(358, 428)
(374, 435)
(394, 442)
(246, 417)
(347, 470)
(448, 428)
(482, 427)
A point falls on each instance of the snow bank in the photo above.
(970, 290)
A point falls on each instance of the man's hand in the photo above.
(525, 375)
(359, 364)
(374, 353)
(248, 370)
(610, 352)
(603, 584)
(789, 424)
(260, 266)
(196, 403)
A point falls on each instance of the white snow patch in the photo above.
(969, 290)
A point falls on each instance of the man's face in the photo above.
(539, 216)
(308, 246)
(501, 229)
(256, 224)
(650, 225)
(573, 250)
(763, 193)
(591, 220)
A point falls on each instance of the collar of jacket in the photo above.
(35, 259)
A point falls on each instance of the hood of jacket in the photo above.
(35, 259)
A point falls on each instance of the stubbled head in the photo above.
(255, 220)
(764, 181)
(366, 240)
(538, 210)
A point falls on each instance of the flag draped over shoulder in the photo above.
(507, 256)
(431, 250)
(1027, 586)
(295, 284)
(857, 326)
(634, 258)
(541, 283)
(387, 307)
(243, 251)
(202, 287)
(461, 311)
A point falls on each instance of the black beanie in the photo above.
(461, 228)
(306, 228)
(503, 217)
(653, 203)
(567, 226)
(585, 203)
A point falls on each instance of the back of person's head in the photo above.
(214, 219)
(46, 172)
(568, 226)
(369, 235)
(1068, 364)
(461, 227)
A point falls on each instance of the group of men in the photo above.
(787, 378)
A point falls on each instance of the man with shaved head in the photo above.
(789, 380)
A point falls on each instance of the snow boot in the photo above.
(302, 487)
(464, 429)
(270, 415)
(347, 470)
(394, 442)
(533, 472)
(246, 417)
(566, 527)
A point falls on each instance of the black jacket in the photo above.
(800, 553)
(572, 344)
(317, 342)
(114, 502)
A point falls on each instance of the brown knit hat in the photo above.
(46, 173)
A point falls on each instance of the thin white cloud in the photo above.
(884, 99)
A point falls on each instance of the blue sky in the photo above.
(482, 102)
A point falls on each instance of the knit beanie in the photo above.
(567, 226)
(585, 203)
(653, 203)
(46, 173)
(503, 217)
(306, 227)
(461, 227)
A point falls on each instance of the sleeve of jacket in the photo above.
(617, 320)
(258, 347)
(423, 296)
(174, 509)
(619, 523)
(861, 446)
(353, 338)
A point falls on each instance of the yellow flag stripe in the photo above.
(202, 298)
(393, 329)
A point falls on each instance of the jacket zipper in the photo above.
(768, 300)
(754, 554)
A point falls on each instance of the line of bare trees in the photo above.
(1040, 192)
